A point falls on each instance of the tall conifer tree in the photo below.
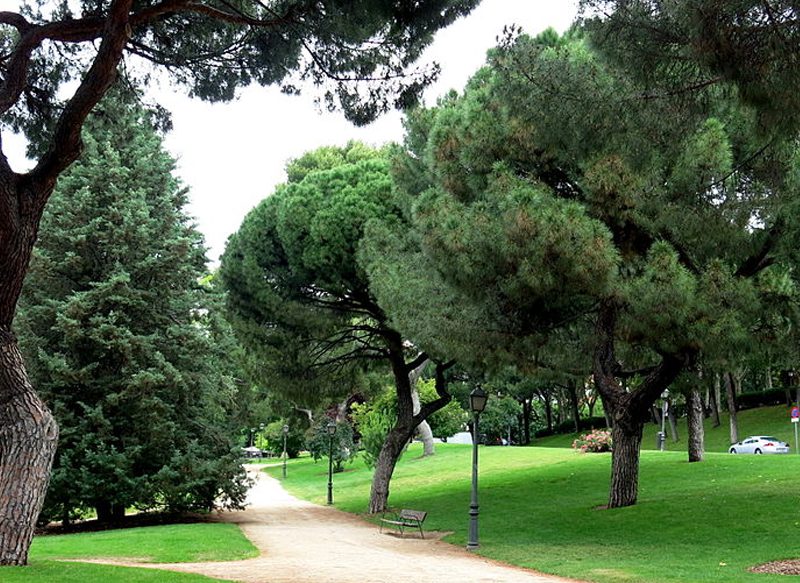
(119, 336)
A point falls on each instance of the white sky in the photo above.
(232, 155)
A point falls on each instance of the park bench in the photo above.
(406, 519)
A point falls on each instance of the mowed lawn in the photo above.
(156, 544)
(541, 508)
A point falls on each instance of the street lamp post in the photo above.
(664, 411)
(331, 433)
(477, 402)
(285, 433)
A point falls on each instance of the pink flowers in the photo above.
(598, 441)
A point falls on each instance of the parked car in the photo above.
(251, 452)
(759, 444)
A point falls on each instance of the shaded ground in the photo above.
(301, 542)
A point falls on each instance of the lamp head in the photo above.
(331, 428)
(477, 400)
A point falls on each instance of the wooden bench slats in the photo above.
(406, 518)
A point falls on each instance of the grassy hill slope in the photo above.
(762, 421)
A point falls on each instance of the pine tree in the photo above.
(120, 336)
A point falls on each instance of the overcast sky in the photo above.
(232, 155)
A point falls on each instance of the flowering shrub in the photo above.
(598, 441)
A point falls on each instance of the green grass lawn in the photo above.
(539, 508)
(763, 421)
(157, 544)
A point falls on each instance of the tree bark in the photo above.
(673, 423)
(731, 397)
(627, 441)
(548, 409)
(696, 430)
(423, 431)
(629, 410)
(572, 387)
(526, 420)
(715, 400)
(406, 421)
(28, 438)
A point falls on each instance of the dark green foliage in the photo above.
(569, 426)
(680, 47)
(500, 417)
(320, 443)
(124, 343)
(361, 53)
(761, 399)
(298, 298)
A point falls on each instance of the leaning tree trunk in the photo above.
(695, 426)
(406, 420)
(731, 396)
(28, 432)
(423, 430)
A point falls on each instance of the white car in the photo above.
(759, 444)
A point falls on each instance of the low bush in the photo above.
(595, 442)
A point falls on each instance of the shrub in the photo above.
(595, 442)
(319, 443)
(374, 419)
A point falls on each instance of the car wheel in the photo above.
(733, 450)
(757, 452)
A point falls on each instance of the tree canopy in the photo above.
(555, 195)
(300, 296)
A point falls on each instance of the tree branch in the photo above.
(66, 144)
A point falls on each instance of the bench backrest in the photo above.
(417, 515)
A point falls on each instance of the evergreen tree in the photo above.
(555, 197)
(301, 299)
(122, 339)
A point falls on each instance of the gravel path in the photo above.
(301, 542)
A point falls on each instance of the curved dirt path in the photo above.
(301, 542)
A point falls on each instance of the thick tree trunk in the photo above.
(730, 394)
(627, 440)
(28, 438)
(28, 432)
(696, 445)
(628, 410)
(406, 421)
(384, 467)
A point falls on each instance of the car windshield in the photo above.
(768, 438)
